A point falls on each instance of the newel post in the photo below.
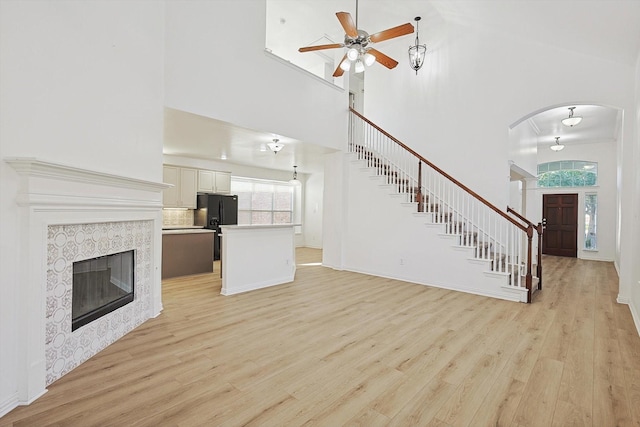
(528, 279)
(539, 263)
(419, 191)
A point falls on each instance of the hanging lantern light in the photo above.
(417, 52)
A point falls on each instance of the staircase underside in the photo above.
(386, 236)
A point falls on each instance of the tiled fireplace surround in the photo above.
(70, 214)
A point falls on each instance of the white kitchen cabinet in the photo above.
(184, 191)
(223, 183)
(214, 182)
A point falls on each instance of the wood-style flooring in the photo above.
(337, 348)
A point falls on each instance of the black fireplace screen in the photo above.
(100, 286)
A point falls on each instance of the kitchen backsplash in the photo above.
(177, 217)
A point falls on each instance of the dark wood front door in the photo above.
(561, 231)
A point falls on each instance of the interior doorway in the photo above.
(560, 215)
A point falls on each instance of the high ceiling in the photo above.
(609, 29)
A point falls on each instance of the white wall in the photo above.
(457, 111)
(335, 203)
(80, 84)
(216, 67)
(634, 195)
(629, 230)
(313, 210)
(523, 147)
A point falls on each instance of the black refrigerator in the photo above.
(213, 211)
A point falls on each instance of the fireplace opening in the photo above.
(100, 286)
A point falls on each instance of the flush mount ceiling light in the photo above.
(558, 146)
(275, 145)
(418, 51)
(572, 120)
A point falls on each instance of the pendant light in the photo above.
(572, 120)
(558, 146)
(294, 180)
(417, 52)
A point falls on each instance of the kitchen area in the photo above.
(190, 232)
(200, 226)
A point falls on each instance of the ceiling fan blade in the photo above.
(400, 30)
(347, 23)
(383, 59)
(339, 71)
(320, 47)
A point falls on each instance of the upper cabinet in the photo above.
(184, 191)
(214, 182)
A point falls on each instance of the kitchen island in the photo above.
(187, 251)
(257, 256)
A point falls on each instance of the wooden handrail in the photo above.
(443, 173)
(522, 218)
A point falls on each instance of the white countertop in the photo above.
(186, 230)
(250, 227)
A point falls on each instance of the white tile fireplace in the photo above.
(69, 214)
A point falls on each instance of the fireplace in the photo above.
(70, 215)
(119, 253)
(101, 285)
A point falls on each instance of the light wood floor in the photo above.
(337, 348)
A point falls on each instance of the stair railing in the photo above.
(539, 230)
(494, 235)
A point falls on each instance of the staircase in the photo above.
(484, 249)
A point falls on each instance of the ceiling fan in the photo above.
(358, 43)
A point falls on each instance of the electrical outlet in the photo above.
(401, 261)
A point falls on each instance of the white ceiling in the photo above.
(599, 124)
(609, 29)
(191, 135)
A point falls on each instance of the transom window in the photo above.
(568, 173)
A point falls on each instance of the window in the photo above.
(590, 215)
(568, 173)
(263, 202)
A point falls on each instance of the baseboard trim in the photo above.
(622, 300)
(507, 296)
(13, 402)
(635, 314)
(9, 405)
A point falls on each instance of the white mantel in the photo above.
(67, 213)
(257, 256)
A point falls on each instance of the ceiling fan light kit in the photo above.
(359, 52)
(572, 120)
(369, 59)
